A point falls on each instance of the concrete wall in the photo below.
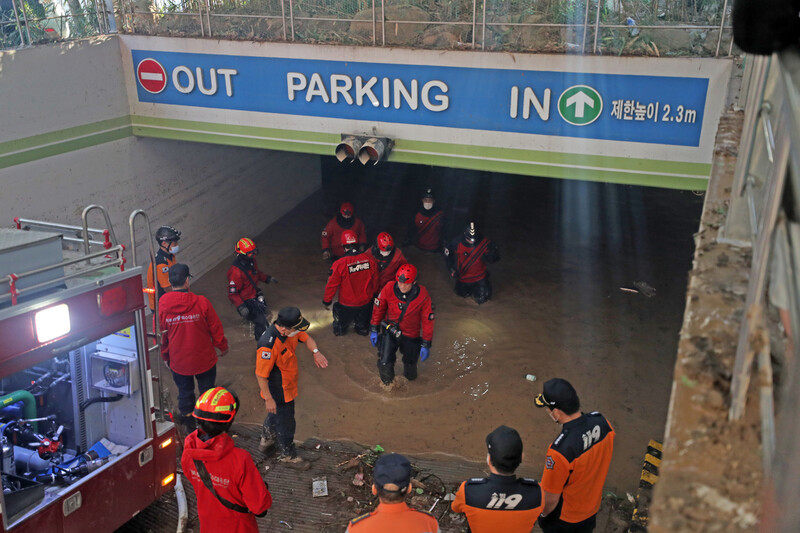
(213, 194)
(65, 142)
(62, 85)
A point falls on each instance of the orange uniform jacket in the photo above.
(276, 361)
(394, 518)
(577, 463)
(164, 260)
(499, 503)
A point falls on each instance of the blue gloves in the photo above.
(373, 338)
(424, 352)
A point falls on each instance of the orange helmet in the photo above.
(385, 242)
(347, 209)
(406, 274)
(349, 238)
(245, 246)
(216, 405)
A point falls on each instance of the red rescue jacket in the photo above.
(428, 229)
(468, 261)
(332, 234)
(387, 266)
(240, 288)
(418, 316)
(355, 277)
(191, 330)
(235, 478)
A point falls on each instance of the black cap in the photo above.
(178, 273)
(290, 317)
(557, 393)
(392, 472)
(505, 448)
(428, 194)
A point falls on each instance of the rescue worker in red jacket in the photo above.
(502, 501)
(426, 230)
(332, 233)
(190, 332)
(355, 277)
(467, 256)
(243, 290)
(401, 310)
(167, 238)
(388, 257)
(230, 491)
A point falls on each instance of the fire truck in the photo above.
(85, 444)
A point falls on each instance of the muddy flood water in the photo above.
(567, 248)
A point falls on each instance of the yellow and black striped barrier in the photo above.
(652, 462)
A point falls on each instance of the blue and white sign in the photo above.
(666, 110)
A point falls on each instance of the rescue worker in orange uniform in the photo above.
(401, 310)
(467, 256)
(391, 484)
(388, 257)
(230, 491)
(502, 501)
(355, 277)
(332, 233)
(276, 373)
(577, 461)
(426, 230)
(167, 238)
(243, 290)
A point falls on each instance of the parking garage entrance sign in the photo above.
(665, 110)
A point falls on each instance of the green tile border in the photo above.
(57, 142)
(648, 172)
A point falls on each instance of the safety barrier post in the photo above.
(291, 16)
(283, 17)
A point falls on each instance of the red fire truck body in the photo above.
(83, 449)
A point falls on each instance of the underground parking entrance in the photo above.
(590, 287)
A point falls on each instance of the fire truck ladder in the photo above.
(155, 336)
(111, 255)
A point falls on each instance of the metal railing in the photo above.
(639, 27)
(29, 22)
(111, 255)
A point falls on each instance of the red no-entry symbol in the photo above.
(151, 76)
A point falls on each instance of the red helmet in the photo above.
(245, 246)
(406, 274)
(385, 242)
(349, 238)
(347, 209)
(216, 405)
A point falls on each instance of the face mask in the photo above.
(292, 334)
(175, 249)
(552, 417)
(427, 205)
(385, 254)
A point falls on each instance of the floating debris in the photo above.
(645, 289)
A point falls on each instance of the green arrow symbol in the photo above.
(580, 105)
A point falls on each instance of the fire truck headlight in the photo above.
(52, 322)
